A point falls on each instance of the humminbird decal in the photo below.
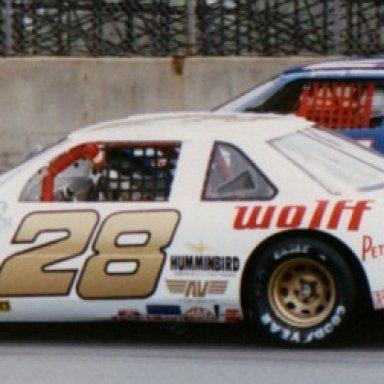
(331, 215)
(204, 263)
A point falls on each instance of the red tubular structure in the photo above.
(84, 151)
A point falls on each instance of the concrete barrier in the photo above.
(42, 99)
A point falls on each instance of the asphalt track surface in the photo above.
(150, 353)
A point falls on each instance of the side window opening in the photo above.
(331, 103)
(107, 172)
(142, 173)
(285, 101)
(232, 176)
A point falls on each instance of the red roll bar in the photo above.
(83, 151)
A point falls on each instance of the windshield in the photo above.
(336, 163)
(250, 98)
(30, 157)
(40, 149)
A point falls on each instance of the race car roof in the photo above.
(181, 126)
(354, 64)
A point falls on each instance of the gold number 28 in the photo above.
(31, 273)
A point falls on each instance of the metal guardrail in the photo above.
(189, 27)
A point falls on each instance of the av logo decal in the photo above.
(196, 288)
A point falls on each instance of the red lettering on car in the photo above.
(295, 216)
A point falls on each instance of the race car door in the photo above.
(89, 230)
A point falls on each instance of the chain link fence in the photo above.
(191, 27)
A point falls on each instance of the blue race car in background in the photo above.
(347, 95)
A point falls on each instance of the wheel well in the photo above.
(363, 292)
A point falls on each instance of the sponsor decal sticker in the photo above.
(129, 315)
(196, 288)
(233, 315)
(5, 306)
(199, 263)
(325, 214)
(370, 249)
(378, 299)
(199, 247)
(163, 312)
(200, 314)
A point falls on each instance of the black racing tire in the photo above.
(300, 292)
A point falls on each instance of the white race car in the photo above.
(196, 217)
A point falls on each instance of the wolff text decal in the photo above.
(331, 215)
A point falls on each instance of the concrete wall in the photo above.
(43, 98)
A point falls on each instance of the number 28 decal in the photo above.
(29, 273)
